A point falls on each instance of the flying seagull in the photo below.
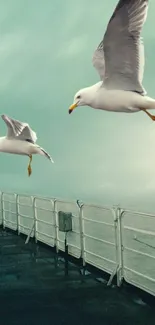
(21, 140)
(119, 60)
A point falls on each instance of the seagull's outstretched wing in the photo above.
(28, 134)
(15, 127)
(19, 130)
(122, 47)
(98, 60)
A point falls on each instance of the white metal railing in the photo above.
(117, 241)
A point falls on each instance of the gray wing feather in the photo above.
(141, 61)
(15, 127)
(28, 134)
(123, 50)
(46, 154)
(19, 130)
(98, 60)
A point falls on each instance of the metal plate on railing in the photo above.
(73, 237)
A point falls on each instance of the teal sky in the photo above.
(46, 49)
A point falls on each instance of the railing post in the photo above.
(120, 273)
(2, 210)
(34, 222)
(116, 233)
(115, 271)
(56, 226)
(82, 235)
(34, 217)
(17, 214)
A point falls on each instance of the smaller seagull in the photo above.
(119, 60)
(21, 140)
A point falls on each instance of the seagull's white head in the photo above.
(81, 98)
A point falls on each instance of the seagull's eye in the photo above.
(78, 97)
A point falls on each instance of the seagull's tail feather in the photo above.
(45, 153)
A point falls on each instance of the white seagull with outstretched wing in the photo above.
(119, 60)
(21, 140)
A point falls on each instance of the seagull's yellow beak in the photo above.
(72, 107)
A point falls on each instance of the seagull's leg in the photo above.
(29, 166)
(150, 115)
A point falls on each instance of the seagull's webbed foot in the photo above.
(29, 166)
(150, 115)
